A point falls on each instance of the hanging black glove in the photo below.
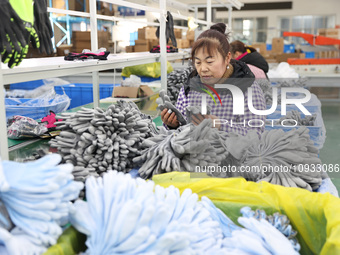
(170, 28)
(169, 32)
(43, 27)
(12, 29)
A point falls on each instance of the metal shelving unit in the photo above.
(40, 68)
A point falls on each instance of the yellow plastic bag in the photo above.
(71, 242)
(148, 70)
(315, 216)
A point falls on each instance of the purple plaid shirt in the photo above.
(240, 123)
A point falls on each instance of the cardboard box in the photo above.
(132, 92)
(145, 91)
(130, 48)
(329, 32)
(105, 9)
(260, 47)
(333, 33)
(178, 33)
(83, 45)
(154, 42)
(270, 57)
(322, 31)
(277, 45)
(77, 50)
(325, 93)
(328, 54)
(146, 44)
(182, 43)
(186, 43)
(142, 42)
(191, 35)
(141, 47)
(147, 33)
(82, 39)
(284, 56)
(60, 4)
(64, 49)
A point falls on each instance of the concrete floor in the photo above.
(330, 153)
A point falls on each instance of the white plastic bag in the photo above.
(132, 81)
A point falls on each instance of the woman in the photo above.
(213, 64)
(250, 56)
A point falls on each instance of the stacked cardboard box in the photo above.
(191, 37)
(76, 5)
(82, 40)
(147, 33)
(327, 54)
(276, 55)
(130, 49)
(284, 56)
(183, 43)
(260, 47)
(277, 45)
(142, 45)
(145, 45)
(178, 33)
(147, 39)
(64, 49)
(330, 32)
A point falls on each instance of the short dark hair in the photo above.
(212, 39)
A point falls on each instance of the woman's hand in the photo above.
(169, 119)
(198, 118)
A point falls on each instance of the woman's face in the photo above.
(210, 67)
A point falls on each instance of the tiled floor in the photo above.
(330, 153)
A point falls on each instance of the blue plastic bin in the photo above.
(309, 54)
(27, 85)
(289, 48)
(82, 93)
(13, 107)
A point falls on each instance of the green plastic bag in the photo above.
(314, 215)
(148, 70)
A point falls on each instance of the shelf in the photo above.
(42, 68)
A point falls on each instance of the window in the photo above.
(250, 30)
(306, 24)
